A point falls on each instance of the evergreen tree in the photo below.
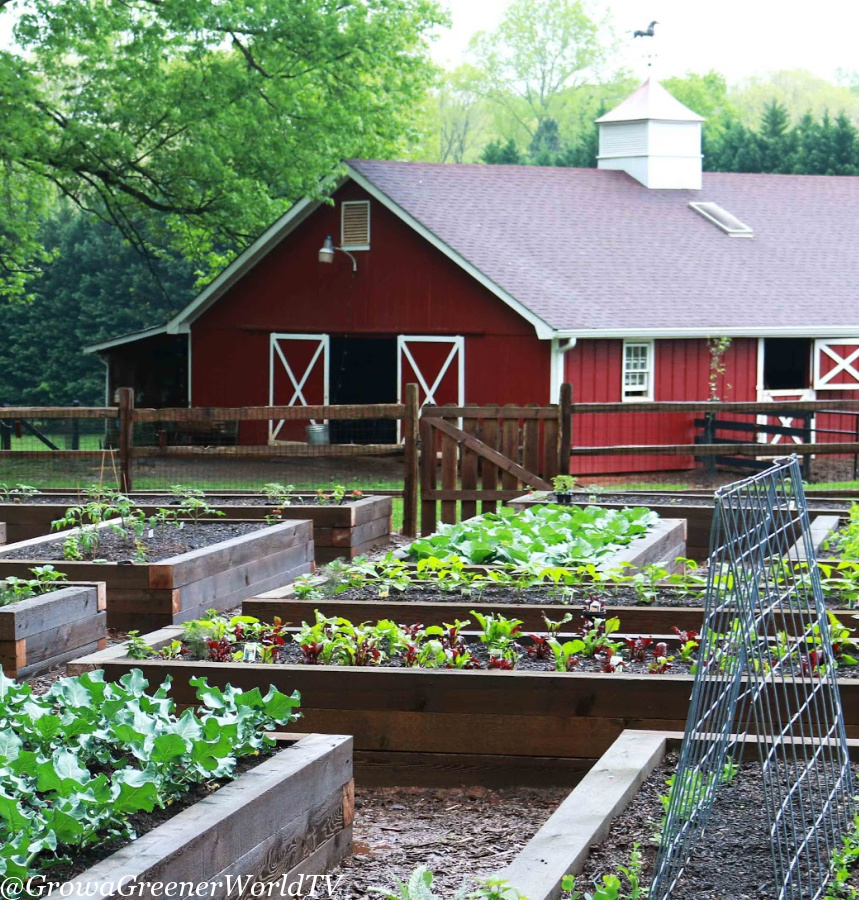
(546, 143)
(499, 153)
(97, 287)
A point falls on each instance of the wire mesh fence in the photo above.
(75, 448)
(766, 664)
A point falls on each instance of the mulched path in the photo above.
(161, 542)
(733, 860)
(455, 832)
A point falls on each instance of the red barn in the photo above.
(493, 284)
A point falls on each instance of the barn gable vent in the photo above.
(721, 218)
(355, 225)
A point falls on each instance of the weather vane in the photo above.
(647, 33)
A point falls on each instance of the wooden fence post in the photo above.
(126, 437)
(6, 432)
(410, 477)
(565, 412)
(76, 429)
(429, 471)
(710, 438)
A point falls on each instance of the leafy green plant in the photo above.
(278, 494)
(337, 494)
(543, 537)
(193, 505)
(76, 761)
(846, 540)
(418, 887)
(612, 886)
(18, 493)
(45, 578)
(566, 654)
(644, 581)
(842, 867)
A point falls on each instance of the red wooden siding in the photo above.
(681, 372)
(403, 285)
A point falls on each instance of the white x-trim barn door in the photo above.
(298, 373)
(437, 364)
(836, 364)
(765, 396)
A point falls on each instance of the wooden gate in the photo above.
(498, 453)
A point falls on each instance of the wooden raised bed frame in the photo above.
(437, 725)
(149, 595)
(699, 519)
(42, 632)
(339, 530)
(288, 818)
(562, 845)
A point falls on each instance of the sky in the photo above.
(739, 38)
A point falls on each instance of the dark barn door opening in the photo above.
(363, 370)
(786, 363)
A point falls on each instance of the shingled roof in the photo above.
(593, 252)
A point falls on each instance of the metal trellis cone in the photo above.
(765, 662)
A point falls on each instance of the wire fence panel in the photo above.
(766, 663)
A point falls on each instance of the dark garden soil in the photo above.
(733, 859)
(160, 543)
(455, 832)
(574, 599)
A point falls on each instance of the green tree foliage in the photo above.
(501, 153)
(824, 146)
(95, 288)
(798, 91)
(195, 124)
(455, 119)
(541, 51)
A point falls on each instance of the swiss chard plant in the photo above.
(78, 760)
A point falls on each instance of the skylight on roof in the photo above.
(722, 219)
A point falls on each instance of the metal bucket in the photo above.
(317, 434)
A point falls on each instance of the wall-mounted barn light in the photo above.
(326, 253)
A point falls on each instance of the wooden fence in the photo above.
(703, 450)
(489, 454)
(471, 458)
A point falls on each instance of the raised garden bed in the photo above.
(346, 529)
(41, 632)
(547, 725)
(606, 795)
(288, 818)
(146, 595)
(696, 509)
(431, 608)
(553, 535)
(146, 793)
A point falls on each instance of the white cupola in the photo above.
(654, 138)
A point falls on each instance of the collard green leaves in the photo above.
(547, 535)
(76, 761)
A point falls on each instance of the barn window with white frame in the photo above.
(637, 370)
